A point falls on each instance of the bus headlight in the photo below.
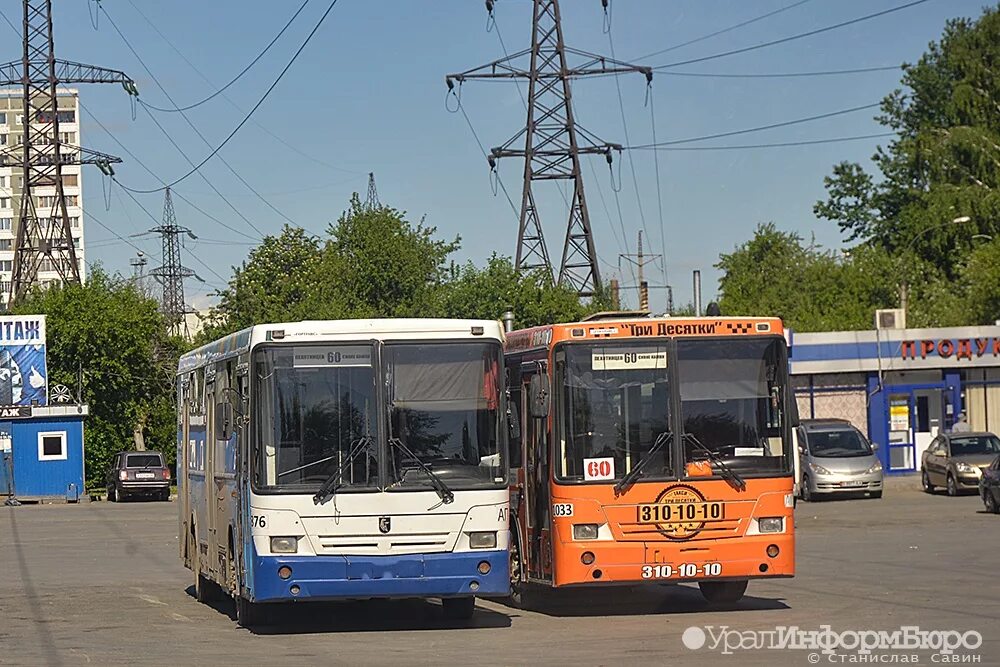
(284, 545)
(584, 531)
(771, 524)
(483, 540)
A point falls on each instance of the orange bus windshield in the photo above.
(719, 405)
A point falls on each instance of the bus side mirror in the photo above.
(225, 416)
(539, 395)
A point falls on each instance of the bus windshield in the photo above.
(315, 404)
(445, 401)
(614, 404)
(732, 402)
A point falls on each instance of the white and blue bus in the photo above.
(327, 460)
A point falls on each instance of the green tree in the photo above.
(113, 335)
(278, 282)
(380, 265)
(486, 293)
(775, 274)
(945, 161)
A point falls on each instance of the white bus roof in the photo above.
(340, 330)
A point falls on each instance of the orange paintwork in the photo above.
(626, 548)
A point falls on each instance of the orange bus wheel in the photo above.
(723, 592)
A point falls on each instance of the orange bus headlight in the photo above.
(584, 531)
(771, 524)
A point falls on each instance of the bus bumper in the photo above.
(417, 575)
(635, 563)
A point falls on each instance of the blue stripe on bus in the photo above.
(338, 577)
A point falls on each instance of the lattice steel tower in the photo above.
(171, 273)
(553, 143)
(47, 236)
(372, 202)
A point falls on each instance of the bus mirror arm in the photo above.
(513, 424)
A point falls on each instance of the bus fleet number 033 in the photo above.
(683, 571)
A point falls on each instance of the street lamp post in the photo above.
(904, 288)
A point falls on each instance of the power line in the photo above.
(262, 128)
(116, 234)
(238, 76)
(207, 266)
(631, 160)
(780, 144)
(256, 106)
(791, 38)
(659, 193)
(723, 30)
(482, 149)
(154, 175)
(202, 175)
(759, 128)
(783, 75)
(200, 136)
(153, 218)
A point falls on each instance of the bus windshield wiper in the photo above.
(725, 472)
(335, 481)
(634, 473)
(444, 493)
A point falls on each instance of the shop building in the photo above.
(900, 386)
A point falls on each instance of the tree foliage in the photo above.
(110, 334)
(486, 293)
(944, 165)
(945, 162)
(375, 263)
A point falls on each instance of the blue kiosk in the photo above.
(41, 441)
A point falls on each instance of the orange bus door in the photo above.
(536, 484)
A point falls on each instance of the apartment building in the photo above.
(12, 182)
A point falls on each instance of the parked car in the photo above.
(956, 461)
(138, 474)
(989, 487)
(835, 458)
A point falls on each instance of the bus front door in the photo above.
(538, 546)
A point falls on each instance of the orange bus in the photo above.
(651, 450)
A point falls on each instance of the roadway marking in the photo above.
(151, 600)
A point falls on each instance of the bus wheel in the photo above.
(723, 591)
(518, 589)
(250, 614)
(205, 590)
(458, 609)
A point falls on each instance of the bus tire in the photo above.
(723, 592)
(205, 590)
(458, 609)
(250, 614)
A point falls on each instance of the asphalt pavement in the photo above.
(101, 583)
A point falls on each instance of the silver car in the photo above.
(835, 458)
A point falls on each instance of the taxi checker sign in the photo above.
(680, 512)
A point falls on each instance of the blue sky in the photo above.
(368, 94)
